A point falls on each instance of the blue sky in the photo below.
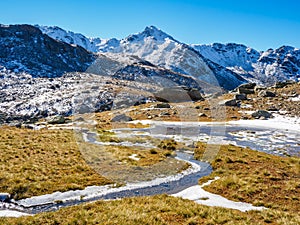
(260, 24)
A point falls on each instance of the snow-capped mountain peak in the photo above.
(150, 32)
(201, 61)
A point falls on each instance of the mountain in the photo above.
(90, 44)
(161, 49)
(263, 67)
(158, 48)
(24, 48)
(226, 64)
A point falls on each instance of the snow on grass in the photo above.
(12, 213)
(278, 122)
(134, 157)
(200, 196)
(98, 191)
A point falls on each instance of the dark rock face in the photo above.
(261, 114)
(152, 73)
(24, 48)
(121, 118)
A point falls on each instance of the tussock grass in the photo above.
(255, 177)
(40, 162)
(161, 209)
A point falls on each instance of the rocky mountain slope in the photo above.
(160, 49)
(234, 62)
(24, 48)
(37, 64)
(262, 67)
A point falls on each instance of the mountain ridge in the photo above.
(241, 60)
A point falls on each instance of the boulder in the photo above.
(265, 93)
(259, 88)
(273, 108)
(284, 83)
(261, 114)
(231, 102)
(246, 88)
(195, 94)
(163, 105)
(121, 118)
(165, 114)
(242, 90)
(178, 94)
(240, 97)
(57, 120)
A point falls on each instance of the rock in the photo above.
(261, 114)
(202, 115)
(195, 94)
(57, 120)
(178, 94)
(163, 105)
(231, 102)
(246, 88)
(28, 126)
(284, 84)
(121, 118)
(242, 90)
(165, 114)
(240, 97)
(4, 197)
(259, 88)
(265, 93)
(272, 108)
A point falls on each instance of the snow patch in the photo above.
(12, 213)
(200, 196)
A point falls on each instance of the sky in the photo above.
(260, 24)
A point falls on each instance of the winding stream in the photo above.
(272, 140)
(168, 185)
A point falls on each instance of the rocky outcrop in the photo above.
(178, 94)
(24, 48)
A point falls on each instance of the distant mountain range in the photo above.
(47, 71)
(161, 49)
(51, 51)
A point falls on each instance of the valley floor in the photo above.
(246, 179)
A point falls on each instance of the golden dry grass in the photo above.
(154, 210)
(40, 162)
(255, 177)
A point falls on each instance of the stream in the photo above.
(273, 140)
